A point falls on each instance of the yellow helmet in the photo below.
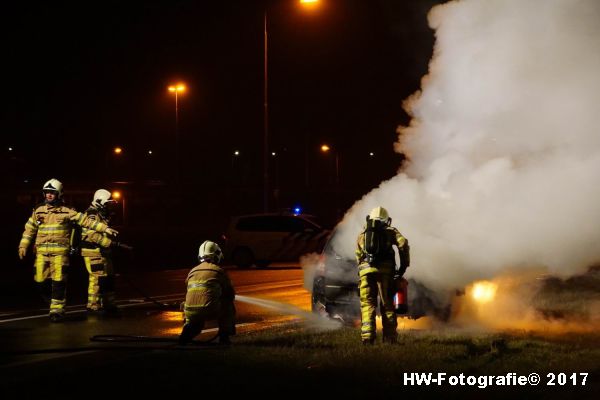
(101, 198)
(53, 185)
(210, 251)
(379, 213)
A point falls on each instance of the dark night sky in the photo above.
(80, 78)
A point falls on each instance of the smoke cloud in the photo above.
(503, 145)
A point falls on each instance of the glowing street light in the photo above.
(176, 89)
(326, 149)
(117, 150)
(117, 195)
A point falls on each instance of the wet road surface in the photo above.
(149, 307)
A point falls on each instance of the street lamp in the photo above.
(326, 149)
(306, 4)
(176, 89)
(116, 195)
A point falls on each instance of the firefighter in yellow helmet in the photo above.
(210, 295)
(96, 252)
(50, 227)
(377, 270)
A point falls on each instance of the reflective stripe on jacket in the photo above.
(50, 227)
(207, 284)
(93, 243)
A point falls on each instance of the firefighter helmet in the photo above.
(53, 185)
(381, 214)
(102, 197)
(210, 251)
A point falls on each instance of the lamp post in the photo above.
(306, 4)
(266, 120)
(326, 149)
(116, 195)
(176, 89)
(111, 164)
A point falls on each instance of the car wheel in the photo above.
(242, 257)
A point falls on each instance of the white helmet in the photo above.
(380, 214)
(101, 198)
(210, 251)
(53, 185)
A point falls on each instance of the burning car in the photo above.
(335, 292)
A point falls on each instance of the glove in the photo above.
(22, 252)
(111, 232)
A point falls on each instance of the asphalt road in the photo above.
(148, 303)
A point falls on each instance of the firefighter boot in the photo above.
(57, 316)
(187, 334)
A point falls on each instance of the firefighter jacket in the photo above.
(51, 225)
(386, 262)
(207, 286)
(93, 243)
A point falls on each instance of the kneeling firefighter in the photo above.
(378, 273)
(97, 255)
(210, 295)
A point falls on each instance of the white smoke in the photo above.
(504, 144)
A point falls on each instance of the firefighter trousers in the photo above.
(54, 267)
(376, 285)
(195, 318)
(101, 286)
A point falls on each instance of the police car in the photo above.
(260, 239)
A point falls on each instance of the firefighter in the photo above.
(210, 295)
(96, 252)
(50, 226)
(377, 272)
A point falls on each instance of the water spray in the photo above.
(314, 320)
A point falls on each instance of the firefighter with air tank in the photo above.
(49, 228)
(378, 274)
